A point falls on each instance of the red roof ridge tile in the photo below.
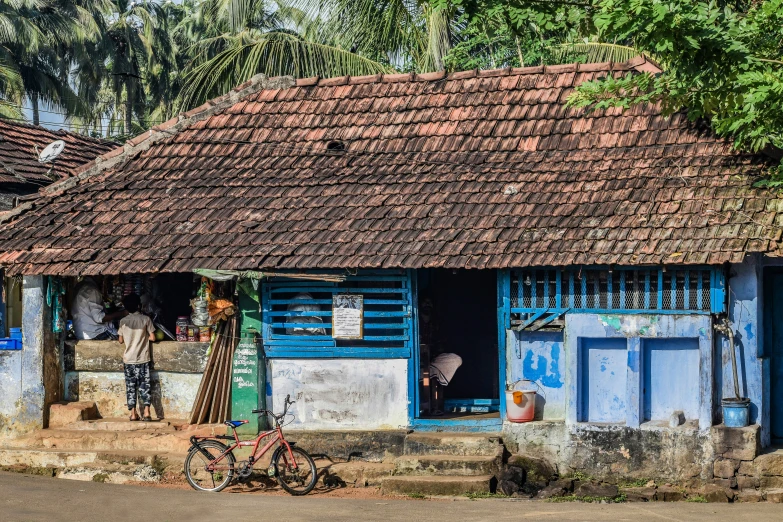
(639, 63)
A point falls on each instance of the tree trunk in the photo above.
(34, 105)
(128, 108)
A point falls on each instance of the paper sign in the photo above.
(347, 316)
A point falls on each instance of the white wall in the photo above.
(340, 394)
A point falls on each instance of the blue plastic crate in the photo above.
(8, 343)
(16, 333)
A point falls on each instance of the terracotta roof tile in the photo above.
(20, 145)
(479, 169)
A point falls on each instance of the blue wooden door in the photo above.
(773, 298)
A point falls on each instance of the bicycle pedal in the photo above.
(271, 471)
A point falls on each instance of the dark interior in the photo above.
(463, 320)
(173, 294)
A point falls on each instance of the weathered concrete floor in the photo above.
(70, 500)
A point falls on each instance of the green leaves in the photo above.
(720, 64)
(274, 54)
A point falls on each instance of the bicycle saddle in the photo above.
(235, 423)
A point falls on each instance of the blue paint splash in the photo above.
(749, 330)
(633, 361)
(547, 377)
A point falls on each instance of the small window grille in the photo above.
(621, 290)
(297, 315)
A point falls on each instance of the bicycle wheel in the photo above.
(297, 477)
(218, 476)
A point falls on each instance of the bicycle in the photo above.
(216, 463)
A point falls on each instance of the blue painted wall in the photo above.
(602, 375)
(540, 357)
(671, 378)
(605, 365)
(744, 291)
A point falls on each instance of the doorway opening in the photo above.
(773, 347)
(458, 315)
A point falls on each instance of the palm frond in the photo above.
(273, 54)
(590, 52)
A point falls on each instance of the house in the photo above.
(595, 254)
(20, 146)
(22, 174)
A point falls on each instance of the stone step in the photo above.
(104, 440)
(64, 413)
(355, 474)
(455, 444)
(44, 458)
(454, 465)
(437, 485)
(111, 473)
(55, 458)
(121, 425)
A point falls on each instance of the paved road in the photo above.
(27, 498)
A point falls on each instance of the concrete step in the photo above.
(355, 474)
(102, 466)
(109, 472)
(44, 458)
(437, 485)
(64, 413)
(121, 425)
(454, 465)
(104, 440)
(454, 444)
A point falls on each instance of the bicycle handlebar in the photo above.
(288, 403)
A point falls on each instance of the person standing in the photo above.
(136, 332)
(90, 320)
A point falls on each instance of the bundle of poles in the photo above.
(213, 400)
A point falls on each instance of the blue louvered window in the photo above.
(539, 297)
(297, 316)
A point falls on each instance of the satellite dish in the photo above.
(51, 151)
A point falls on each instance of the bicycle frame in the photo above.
(279, 437)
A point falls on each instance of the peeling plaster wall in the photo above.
(340, 394)
(616, 453)
(29, 379)
(540, 357)
(172, 393)
(583, 329)
(744, 291)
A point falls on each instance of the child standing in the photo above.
(136, 332)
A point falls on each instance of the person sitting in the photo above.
(90, 320)
(136, 332)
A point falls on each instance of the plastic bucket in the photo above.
(735, 412)
(520, 405)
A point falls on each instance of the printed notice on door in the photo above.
(347, 316)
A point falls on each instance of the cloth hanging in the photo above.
(444, 366)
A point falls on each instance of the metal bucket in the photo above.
(735, 412)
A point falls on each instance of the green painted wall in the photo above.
(248, 373)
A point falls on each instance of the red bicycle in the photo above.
(210, 464)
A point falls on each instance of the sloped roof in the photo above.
(19, 157)
(475, 169)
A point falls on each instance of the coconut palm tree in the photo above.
(33, 37)
(139, 50)
(229, 41)
(411, 34)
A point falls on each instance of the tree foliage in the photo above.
(721, 62)
(124, 65)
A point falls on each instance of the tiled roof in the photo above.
(20, 145)
(476, 169)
